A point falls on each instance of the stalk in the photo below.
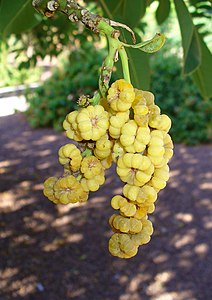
(125, 63)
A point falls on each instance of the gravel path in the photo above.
(50, 252)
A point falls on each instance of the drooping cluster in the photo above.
(128, 129)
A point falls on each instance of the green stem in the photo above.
(125, 63)
(96, 98)
(115, 47)
(107, 68)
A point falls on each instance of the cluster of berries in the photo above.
(126, 128)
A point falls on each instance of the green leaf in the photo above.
(190, 40)
(126, 11)
(152, 45)
(202, 76)
(139, 68)
(17, 16)
(163, 11)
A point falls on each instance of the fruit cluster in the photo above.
(126, 128)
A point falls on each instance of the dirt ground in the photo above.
(50, 252)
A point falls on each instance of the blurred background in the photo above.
(56, 252)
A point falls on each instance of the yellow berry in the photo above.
(120, 95)
(103, 147)
(118, 151)
(160, 177)
(124, 224)
(122, 246)
(127, 208)
(145, 194)
(71, 128)
(144, 209)
(93, 184)
(91, 166)
(70, 156)
(160, 122)
(117, 121)
(49, 189)
(143, 237)
(92, 122)
(69, 190)
(135, 169)
(149, 97)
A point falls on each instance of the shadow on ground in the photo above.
(60, 252)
